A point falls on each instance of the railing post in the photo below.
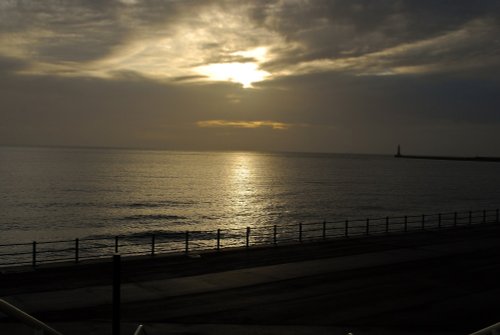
(496, 215)
(484, 216)
(218, 239)
(77, 250)
(116, 294)
(423, 221)
(247, 242)
(33, 260)
(153, 243)
(367, 226)
(439, 221)
(455, 219)
(275, 234)
(470, 217)
(346, 232)
(186, 243)
(300, 232)
(406, 223)
(387, 225)
(116, 244)
(324, 230)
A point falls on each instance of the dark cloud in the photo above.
(187, 78)
(8, 65)
(388, 100)
(342, 29)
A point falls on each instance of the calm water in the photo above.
(49, 193)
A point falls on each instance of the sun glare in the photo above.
(243, 73)
(257, 53)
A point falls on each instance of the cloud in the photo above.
(159, 39)
(165, 40)
(384, 37)
(243, 124)
(334, 74)
(452, 51)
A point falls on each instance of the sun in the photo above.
(244, 73)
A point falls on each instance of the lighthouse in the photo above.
(398, 154)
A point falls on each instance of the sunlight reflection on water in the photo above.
(66, 193)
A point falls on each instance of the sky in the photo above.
(345, 76)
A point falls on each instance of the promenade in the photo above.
(432, 282)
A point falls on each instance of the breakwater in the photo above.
(452, 158)
(188, 242)
(447, 158)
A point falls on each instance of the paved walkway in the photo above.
(226, 280)
(425, 288)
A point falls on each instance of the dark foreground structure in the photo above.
(430, 282)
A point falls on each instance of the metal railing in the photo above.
(140, 330)
(76, 250)
(491, 330)
(38, 326)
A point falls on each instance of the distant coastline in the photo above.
(448, 158)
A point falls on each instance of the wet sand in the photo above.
(434, 282)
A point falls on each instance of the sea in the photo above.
(66, 193)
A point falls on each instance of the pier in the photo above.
(448, 158)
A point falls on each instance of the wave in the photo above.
(155, 204)
(131, 205)
(60, 205)
(153, 217)
(80, 190)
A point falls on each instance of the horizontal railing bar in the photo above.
(51, 260)
(135, 252)
(15, 245)
(53, 251)
(17, 253)
(96, 247)
(53, 242)
(81, 258)
(16, 263)
(179, 242)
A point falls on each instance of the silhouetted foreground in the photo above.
(432, 282)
